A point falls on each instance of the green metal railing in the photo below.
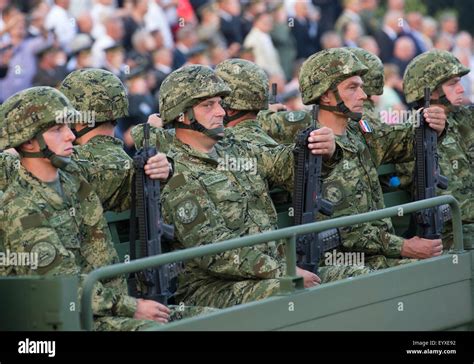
(289, 234)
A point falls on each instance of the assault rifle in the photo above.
(427, 177)
(308, 202)
(153, 283)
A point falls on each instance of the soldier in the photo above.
(373, 82)
(51, 211)
(442, 72)
(216, 194)
(283, 125)
(332, 79)
(101, 98)
(249, 94)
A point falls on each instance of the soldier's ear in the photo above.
(29, 145)
(325, 98)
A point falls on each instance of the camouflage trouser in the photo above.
(376, 262)
(111, 323)
(221, 293)
(467, 233)
(331, 273)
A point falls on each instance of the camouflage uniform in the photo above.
(67, 231)
(353, 186)
(284, 125)
(431, 69)
(207, 203)
(102, 158)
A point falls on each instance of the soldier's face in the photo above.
(210, 113)
(59, 140)
(352, 94)
(453, 90)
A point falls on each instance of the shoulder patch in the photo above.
(45, 253)
(187, 211)
(333, 192)
(295, 116)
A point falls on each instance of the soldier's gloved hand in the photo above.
(322, 141)
(421, 248)
(158, 167)
(310, 279)
(151, 310)
(155, 120)
(276, 107)
(436, 117)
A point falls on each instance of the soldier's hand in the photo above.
(436, 117)
(155, 120)
(310, 279)
(151, 310)
(158, 167)
(277, 107)
(421, 248)
(322, 141)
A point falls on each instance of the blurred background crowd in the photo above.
(142, 41)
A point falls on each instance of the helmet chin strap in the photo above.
(83, 132)
(443, 100)
(196, 126)
(341, 107)
(45, 152)
(228, 119)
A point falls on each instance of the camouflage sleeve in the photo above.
(467, 132)
(276, 164)
(110, 299)
(283, 126)
(44, 253)
(204, 215)
(391, 143)
(111, 175)
(9, 164)
(161, 138)
(372, 239)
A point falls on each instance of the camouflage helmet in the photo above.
(248, 82)
(29, 112)
(187, 86)
(374, 78)
(98, 91)
(325, 69)
(430, 69)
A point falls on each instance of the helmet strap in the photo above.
(84, 131)
(341, 107)
(196, 126)
(443, 100)
(228, 119)
(45, 152)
